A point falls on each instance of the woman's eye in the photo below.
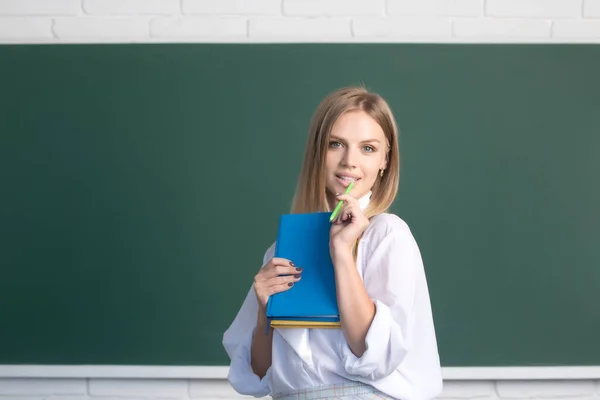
(334, 144)
(369, 149)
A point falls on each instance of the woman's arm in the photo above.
(393, 274)
(377, 310)
(246, 342)
(356, 308)
(261, 346)
(278, 275)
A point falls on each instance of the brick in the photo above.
(402, 27)
(122, 397)
(545, 389)
(534, 8)
(170, 388)
(40, 7)
(34, 386)
(25, 28)
(215, 389)
(507, 28)
(107, 398)
(180, 27)
(333, 8)
(321, 28)
(70, 398)
(465, 8)
(576, 29)
(19, 397)
(232, 7)
(468, 390)
(74, 28)
(591, 8)
(130, 7)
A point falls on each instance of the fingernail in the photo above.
(291, 284)
(298, 269)
(292, 264)
(297, 275)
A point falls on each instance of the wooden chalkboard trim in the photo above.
(220, 372)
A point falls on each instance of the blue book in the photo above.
(304, 239)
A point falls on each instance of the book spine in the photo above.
(275, 254)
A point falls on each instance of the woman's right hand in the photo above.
(268, 280)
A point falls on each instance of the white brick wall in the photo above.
(64, 21)
(25, 386)
(592, 9)
(198, 27)
(332, 8)
(534, 8)
(499, 28)
(213, 389)
(232, 7)
(72, 28)
(40, 7)
(402, 27)
(544, 389)
(456, 8)
(131, 7)
(58, 21)
(293, 27)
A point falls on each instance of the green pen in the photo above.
(339, 204)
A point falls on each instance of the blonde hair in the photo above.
(311, 193)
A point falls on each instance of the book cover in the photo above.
(304, 239)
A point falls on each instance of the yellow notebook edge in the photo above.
(304, 324)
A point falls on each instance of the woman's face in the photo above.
(356, 152)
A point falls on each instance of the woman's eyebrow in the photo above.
(332, 137)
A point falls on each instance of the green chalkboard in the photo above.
(142, 183)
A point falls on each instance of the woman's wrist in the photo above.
(261, 316)
(341, 253)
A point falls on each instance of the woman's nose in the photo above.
(349, 159)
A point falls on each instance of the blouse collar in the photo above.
(363, 202)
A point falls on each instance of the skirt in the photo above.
(354, 390)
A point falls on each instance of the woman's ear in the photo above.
(385, 162)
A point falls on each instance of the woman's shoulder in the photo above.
(388, 228)
(384, 224)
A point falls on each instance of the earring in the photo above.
(381, 173)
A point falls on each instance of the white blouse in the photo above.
(401, 359)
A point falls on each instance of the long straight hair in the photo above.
(310, 195)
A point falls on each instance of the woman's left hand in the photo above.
(347, 227)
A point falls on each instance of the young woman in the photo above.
(386, 347)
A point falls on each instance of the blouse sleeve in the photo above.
(237, 341)
(393, 275)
